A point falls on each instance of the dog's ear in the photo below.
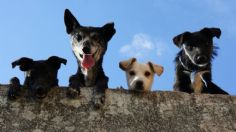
(108, 31)
(70, 21)
(156, 68)
(211, 32)
(127, 64)
(24, 63)
(180, 39)
(56, 61)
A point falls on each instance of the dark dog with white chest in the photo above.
(89, 45)
(195, 56)
(41, 76)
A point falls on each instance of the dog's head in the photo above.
(198, 46)
(40, 75)
(89, 44)
(140, 76)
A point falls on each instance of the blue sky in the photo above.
(145, 29)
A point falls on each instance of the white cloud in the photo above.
(142, 45)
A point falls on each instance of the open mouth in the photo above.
(88, 60)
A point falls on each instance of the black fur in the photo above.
(40, 76)
(98, 37)
(14, 88)
(195, 56)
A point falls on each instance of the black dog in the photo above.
(40, 76)
(89, 45)
(195, 56)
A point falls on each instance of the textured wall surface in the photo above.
(122, 111)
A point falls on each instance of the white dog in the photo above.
(139, 75)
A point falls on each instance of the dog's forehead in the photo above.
(199, 36)
(198, 39)
(88, 31)
(41, 65)
(141, 67)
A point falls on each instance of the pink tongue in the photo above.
(87, 61)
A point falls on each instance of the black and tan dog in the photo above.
(41, 76)
(195, 56)
(89, 45)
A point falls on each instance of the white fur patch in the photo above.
(27, 73)
(205, 83)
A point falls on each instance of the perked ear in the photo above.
(70, 21)
(127, 64)
(108, 31)
(180, 39)
(56, 61)
(212, 32)
(156, 68)
(24, 63)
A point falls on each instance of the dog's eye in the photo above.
(131, 73)
(147, 73)
(78, 37)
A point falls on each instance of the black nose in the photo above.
(86, 50)
(40, 91)
(201, 59)
(139, 85)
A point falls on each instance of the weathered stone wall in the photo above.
(122, 111)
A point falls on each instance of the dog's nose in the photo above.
(201, 59)
(139, 85)
(40, 91)
(86, 50)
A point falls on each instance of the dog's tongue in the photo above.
(88, 61)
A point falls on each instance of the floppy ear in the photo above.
(70, 21)
(24, 63)
(56, 61)
(180, 39)
(127, 64)
(108, 31)
(212, 32)
(156, 68)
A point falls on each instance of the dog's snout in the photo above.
(139, 85)
(40, 91)
(201, 59)
(86, 50)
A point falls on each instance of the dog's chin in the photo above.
(137, 89)
(201, 64)
(41, 96)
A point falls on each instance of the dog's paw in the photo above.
(14, 88)
(72, 93)
(74, 82)
(11, 94)
(98, 100)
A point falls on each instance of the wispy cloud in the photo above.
(142, 45)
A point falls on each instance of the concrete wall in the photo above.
(122, 111)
